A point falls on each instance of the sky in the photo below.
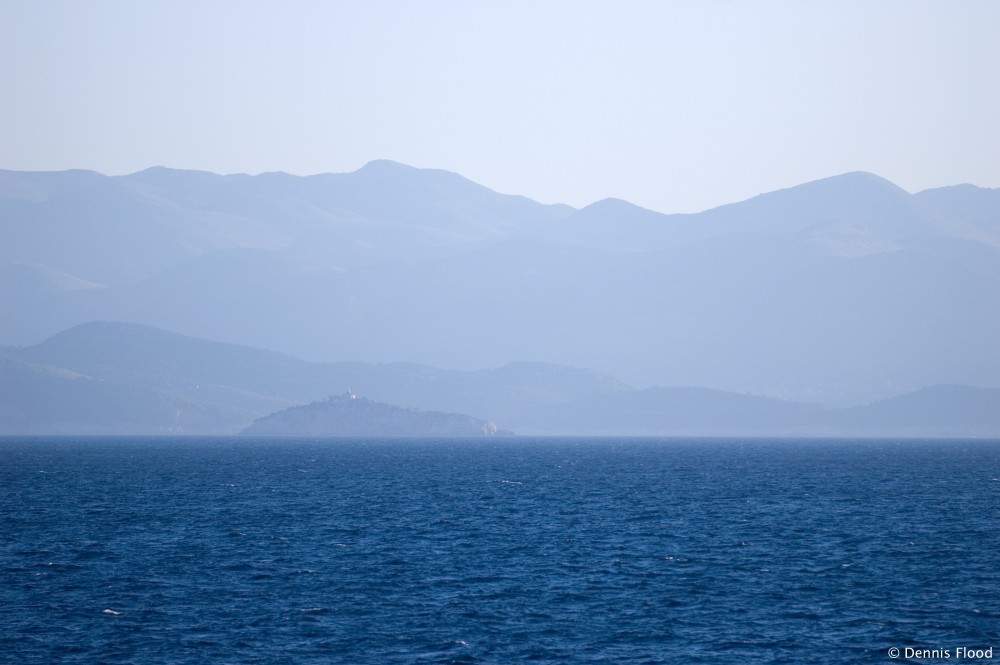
(674, 106)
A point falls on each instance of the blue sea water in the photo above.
(496, 551)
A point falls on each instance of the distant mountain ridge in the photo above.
(252, 382)
(842, 291)
(114, 378)
(192, 213)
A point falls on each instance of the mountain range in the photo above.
(841, 291)
(122, 378)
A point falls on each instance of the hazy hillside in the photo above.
(36, 399)
(158, 367)
(977, 208)
(933, 411)
(140, 356)
(840, 291)
(131, 379)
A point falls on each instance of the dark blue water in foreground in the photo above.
(496, 551)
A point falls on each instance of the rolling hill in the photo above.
(118, 378)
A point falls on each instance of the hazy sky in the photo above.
(676, 106)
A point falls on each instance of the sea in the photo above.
(499, 550)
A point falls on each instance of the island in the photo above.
(351, 415)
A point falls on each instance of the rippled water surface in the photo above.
(495, 551)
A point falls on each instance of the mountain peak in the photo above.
(386, 166)
(399, 174)
(612, 204)
(166, 171)
(856, 197)
(166, 177)
(618, 209)
(857, 176)
(852, 183)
